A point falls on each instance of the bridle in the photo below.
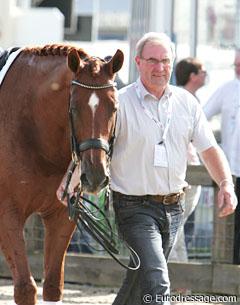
(77, 210)
(93, 143)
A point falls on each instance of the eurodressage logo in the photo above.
(148, 298)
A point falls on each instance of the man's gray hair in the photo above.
(155, 37)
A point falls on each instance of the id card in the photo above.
(160, 156)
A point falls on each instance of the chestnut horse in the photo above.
(41, 87)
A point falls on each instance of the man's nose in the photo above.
(160, 65)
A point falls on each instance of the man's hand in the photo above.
(60, 192)
(75, 180)
(227, 200)
(218, 168)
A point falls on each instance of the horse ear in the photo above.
(74, 61)
(115, 64)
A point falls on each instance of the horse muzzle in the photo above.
(93, 178)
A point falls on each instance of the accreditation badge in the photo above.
(160, 156)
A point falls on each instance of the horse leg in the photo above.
(13, 247)
(58, 232)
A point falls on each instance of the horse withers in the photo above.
(51, 96)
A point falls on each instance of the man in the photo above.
(155, 124)
(191, 75)
(226, 100)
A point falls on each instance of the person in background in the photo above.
(226, 101)
(155, 124)
(190, 75)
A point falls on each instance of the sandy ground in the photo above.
(82, 295)
(73, 294)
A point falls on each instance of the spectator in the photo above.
(226, 101)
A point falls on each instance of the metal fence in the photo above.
(208, 238)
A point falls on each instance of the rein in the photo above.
(78, 212)
(99, 228)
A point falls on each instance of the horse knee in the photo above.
(25, 293)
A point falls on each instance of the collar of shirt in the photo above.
(160, 111)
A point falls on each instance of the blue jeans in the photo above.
(150, 228)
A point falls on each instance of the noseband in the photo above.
(94, 143)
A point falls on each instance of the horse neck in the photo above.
(51, 109)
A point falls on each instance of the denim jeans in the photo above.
(150, 228)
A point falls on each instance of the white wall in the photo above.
(21, 26)
(38, 26)
(5, 22)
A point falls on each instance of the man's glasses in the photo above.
(155, 61)
(204, 72)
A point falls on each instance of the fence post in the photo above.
(223, 235)
(33, 233)
(223, 228)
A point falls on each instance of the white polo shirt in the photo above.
(138, 131)
(226, 100)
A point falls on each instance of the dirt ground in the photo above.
(82, 295)
(73, 294)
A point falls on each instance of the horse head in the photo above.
(93, 105)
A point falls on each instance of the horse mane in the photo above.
(95, 67)
(63, 50)
(54, 50)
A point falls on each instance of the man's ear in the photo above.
(192, 76)
(137, 60)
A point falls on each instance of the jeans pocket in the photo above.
(177, 208)
(175, 214)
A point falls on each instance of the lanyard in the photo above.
(149, 114)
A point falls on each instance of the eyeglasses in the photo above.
(204, 72)
(155, 61)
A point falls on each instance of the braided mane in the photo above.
(55, 50)
(63, 50)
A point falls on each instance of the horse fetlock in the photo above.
(52, 292)
(25, 293)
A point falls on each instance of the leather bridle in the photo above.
(93, 143)
(77, 210)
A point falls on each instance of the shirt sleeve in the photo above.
(202, 137)
(214, 104)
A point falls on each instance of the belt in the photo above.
(167, 199)
(164, 199)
